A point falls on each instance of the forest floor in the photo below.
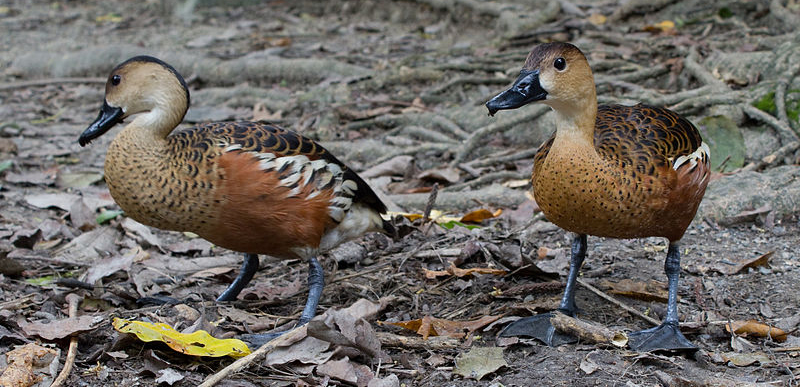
(396, 90)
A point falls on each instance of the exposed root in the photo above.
(784, 131)
(69, 362)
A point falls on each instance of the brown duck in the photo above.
(245, 186)
(612, 171)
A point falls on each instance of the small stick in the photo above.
(433, 342)
(618, 303)
(586, 331)
(426, 216)
(288, 338)
(73, 300)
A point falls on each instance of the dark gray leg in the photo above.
(666, 336)
(539, 326)
(246, 273)
(316, 282)
(567, 305)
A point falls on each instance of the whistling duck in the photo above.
(610, 171)
(246, 186)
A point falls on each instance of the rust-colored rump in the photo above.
(256, 216)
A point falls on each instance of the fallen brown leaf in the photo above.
(347, 371)
(432, 326)
(453, 270)
(480, 215)
(60, 329)
(26, 364)
(755, 328)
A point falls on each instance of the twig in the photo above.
(360, 273)
(618, 303)
(73, 300)
(16, 304)
(771, 158)
(786, 133)
(283, 340)
(426, 215)
(47, 82)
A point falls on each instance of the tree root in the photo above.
(791, 20)
(637, 7)
(780, 95)
(488, 178)
(48, 82)
(784, 131)
(253, 68)
(771, 158)
(494, 195)
(72, 352)
(475, 139)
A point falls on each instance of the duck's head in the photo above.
(556, 74)
(142, 84)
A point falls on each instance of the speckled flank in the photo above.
(626, 187)
(246, 186)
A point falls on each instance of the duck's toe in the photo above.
(538, 327)
(665, 337)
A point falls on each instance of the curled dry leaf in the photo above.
(479, 362)
(347, 371)
(432, 326)
(453, 270)
(480, 215)
(755, 328)
(60, 329)
(28, 365)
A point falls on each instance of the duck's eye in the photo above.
(560, 64)
(115, 79)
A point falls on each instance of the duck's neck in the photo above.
(575, 124)
(150, 129)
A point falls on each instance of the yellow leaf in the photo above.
(199, 343)
(597, 19)
(663, 26)
(109, 17)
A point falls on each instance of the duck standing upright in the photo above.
(613, 171)
(245, 186)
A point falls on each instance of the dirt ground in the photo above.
(396, 90)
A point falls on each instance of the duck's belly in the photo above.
(583, 197)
